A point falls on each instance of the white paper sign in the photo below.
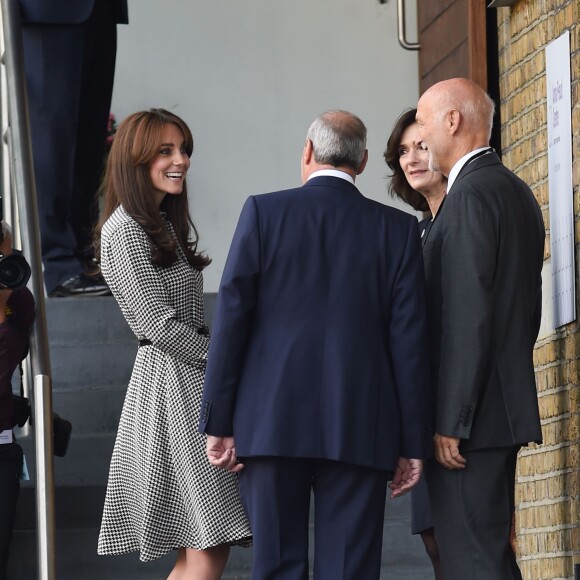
(6, 437)
(560, 179)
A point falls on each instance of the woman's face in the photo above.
(169, 168)
(414, 162)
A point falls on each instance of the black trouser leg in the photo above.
(10, 470)
(472, 513)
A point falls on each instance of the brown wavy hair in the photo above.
(128, 183)
(399, 186)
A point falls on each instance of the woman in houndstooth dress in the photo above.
(162, 493)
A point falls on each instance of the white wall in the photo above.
(249, 76)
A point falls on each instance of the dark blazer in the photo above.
(67, 11)
(319, 343)
(483, 261)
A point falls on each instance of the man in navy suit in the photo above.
(317, 370)
(69, 58)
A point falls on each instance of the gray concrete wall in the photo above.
(248, 76)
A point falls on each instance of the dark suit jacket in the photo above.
(483, 261)
(67, 11)
(319, 337)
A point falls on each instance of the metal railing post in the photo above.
(22, 171)
(45, 513)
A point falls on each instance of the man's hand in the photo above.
(407, 474)
(221, 452)
(447, 452)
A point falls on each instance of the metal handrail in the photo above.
(402, 28)
(18, 144)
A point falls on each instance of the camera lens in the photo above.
(14, 272)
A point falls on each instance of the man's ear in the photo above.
(306, 160)
(308, 152)
(363, 164)
(453, 121)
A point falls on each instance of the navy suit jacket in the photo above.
(319, 345)
(67, 11)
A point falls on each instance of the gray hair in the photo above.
(339, 138)
(479, 111)
(474, 104)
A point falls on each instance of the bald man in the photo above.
(483, 261)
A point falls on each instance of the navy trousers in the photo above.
(349, 507)
(69, 72)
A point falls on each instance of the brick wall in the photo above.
(547, 492)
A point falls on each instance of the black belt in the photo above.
(203, 330)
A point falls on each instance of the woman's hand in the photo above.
(4, 296)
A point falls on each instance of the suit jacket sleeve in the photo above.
(468, 267)
(409, 347)
(231, 325)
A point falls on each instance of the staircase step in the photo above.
(75, 507)
(91, 409)
(91, 345)
(92, 354)
(87, 365)
(403, 554)
(95, 320)
(77, 558)
(85, 464)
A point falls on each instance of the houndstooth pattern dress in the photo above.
(162, 493)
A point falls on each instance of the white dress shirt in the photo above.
(459, 164)
(331, 173)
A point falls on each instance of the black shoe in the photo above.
(89, 264)
(91, 267)
(82, 285)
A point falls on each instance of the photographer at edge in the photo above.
(16, 318)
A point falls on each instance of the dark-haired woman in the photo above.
(412, 180)
(424, 190)
(162, 493)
